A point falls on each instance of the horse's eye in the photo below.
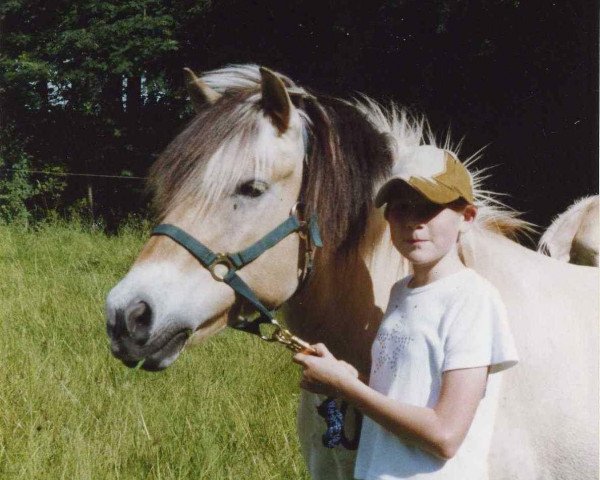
(252, 188)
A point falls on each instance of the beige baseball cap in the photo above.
(435, 173)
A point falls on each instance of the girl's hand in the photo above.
(323, 373)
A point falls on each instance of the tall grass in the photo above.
(68, 409)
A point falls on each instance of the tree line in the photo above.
(96, 86)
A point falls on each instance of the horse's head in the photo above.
(230, 177)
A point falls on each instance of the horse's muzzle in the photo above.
(133, 341)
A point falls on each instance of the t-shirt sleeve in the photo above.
(478, 335)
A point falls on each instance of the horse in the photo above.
(258, 144)
(574, 235)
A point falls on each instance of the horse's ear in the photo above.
(275, 99)
(200, 93)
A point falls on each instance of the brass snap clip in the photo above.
(292, 342)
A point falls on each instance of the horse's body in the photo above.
(547, 420)
(574, 235)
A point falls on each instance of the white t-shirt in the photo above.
(456, 322)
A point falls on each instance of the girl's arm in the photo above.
(439, 430)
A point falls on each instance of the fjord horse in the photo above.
(257, 146)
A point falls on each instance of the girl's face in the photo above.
(425, 232)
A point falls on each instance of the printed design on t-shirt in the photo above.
(392, 341)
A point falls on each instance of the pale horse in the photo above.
(257, 145)
(574, 235)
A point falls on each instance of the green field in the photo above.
(68, 409)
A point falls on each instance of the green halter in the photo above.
(308, 232)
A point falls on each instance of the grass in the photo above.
(68, 409)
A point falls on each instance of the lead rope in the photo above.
(335, 422)
(336, 419)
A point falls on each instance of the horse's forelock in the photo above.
(211, 155)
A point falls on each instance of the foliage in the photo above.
(84, 87)
(96, 87)
(20, 194)
(15, 189)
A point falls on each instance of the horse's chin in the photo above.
(166, 355)
(153, 359)
(170, 346)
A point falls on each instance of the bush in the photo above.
(15, 190)
(22, 195)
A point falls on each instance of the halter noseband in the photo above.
(223, 268)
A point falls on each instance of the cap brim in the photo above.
(388, 191)
(434, 192)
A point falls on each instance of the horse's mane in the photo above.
(354, 142)
(556, 240)
(493, 214)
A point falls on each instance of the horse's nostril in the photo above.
(115, 324)
(139, 322)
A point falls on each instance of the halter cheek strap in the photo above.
(223, 268)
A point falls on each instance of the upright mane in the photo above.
(405, 133)
(350, 149)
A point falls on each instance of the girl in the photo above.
(430, 401)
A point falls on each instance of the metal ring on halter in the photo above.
(221, 259)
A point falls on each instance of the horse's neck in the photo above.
(345, 300)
